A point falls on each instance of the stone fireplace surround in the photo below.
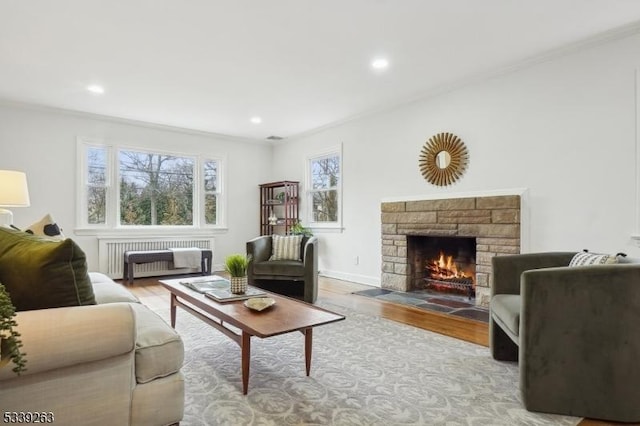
(494, 220)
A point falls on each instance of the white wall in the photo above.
(564, 129)
(42, 143)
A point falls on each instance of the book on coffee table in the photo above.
(204, 284)
(224, 294)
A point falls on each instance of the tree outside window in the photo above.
(155, 189)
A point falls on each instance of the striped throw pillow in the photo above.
(285, 247)
(585, 258)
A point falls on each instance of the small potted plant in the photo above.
(298, 229)
(236, 265)
(10, 342)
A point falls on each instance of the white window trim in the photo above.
(323, 226)
(111, 227)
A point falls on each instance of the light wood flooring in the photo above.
(338, 292)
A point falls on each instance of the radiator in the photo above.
(111, 251)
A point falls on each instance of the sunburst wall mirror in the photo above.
(443, 159)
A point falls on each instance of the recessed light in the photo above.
(379, 64)
(256, 120)
(94, 88)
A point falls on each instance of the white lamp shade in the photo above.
(14, 191)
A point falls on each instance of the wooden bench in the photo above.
(148, 256)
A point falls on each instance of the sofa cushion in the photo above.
(505, 309)
(287, 268)
(586, 258)
(159, 349)
(285, 247)
(108, 291)
(41, 273)
(58, 339)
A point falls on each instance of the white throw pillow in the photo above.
(586, 258)
(285, 247)
(46, 227)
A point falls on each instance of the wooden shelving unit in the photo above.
(278, 207)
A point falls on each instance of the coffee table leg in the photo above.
(173, 310)
(246, 358)
(308, 339)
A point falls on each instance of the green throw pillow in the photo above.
(41, 273)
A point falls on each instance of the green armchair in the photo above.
(294, 273)
(574, 332)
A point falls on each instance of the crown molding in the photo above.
(127, 121)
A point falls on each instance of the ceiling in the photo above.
(300, 65)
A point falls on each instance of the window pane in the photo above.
(96, 174)
(210, 192)
(96, 205)
(325, 172)
(211, 209)
(210, 176)
(155, 189)
(96, 166)
(325, 206)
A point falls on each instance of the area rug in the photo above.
(365, 371)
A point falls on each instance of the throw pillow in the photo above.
(285, 247)
(43, 273)
(585, 258)
(46, 227)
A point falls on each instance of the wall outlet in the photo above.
(356, 260)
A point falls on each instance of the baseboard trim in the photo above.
(360, 279)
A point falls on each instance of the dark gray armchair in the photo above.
(575, 332)
(294, 273)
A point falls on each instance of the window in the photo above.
(97, 181)
(211, 192)
(155, 189)
(324, 184)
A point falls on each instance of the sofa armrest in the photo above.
(310, 251)
(61, 337)
(578, 326)
(259, 248)
(508, 269)
(310, 260)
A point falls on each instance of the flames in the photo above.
(444, 268)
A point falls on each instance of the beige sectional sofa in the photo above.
(112, 363)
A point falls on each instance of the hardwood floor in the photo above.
(338, 292)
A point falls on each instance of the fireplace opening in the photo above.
(442, 264)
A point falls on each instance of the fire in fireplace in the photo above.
(444, 274)
(442, 264)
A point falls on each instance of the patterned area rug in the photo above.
(365, 371)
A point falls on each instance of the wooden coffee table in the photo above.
(285, 316)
